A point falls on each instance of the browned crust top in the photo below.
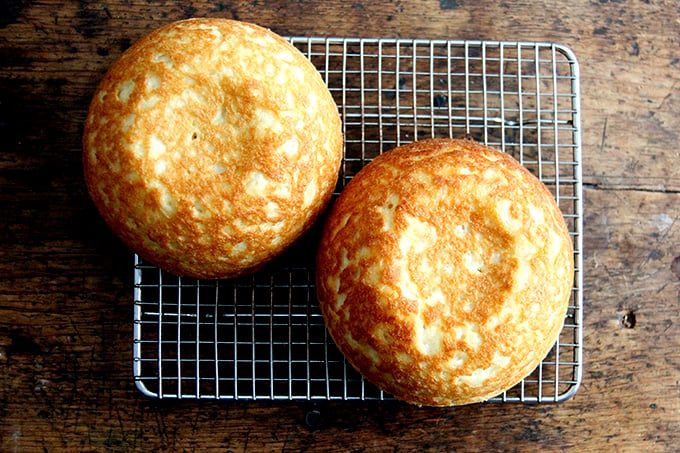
(210, 146)
(444, 272)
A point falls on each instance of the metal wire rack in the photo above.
(263, 336)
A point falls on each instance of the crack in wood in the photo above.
(622, 188)
(604, 133)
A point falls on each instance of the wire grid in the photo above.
(263, 336)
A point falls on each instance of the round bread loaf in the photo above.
(210, 146)
(444, 272)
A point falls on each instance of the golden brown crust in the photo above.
(210, 146)
(444, 272)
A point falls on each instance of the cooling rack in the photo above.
(263, 336)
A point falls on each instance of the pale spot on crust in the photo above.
(423, 177)
(281, 78)
(284, 56)
(310, 193)
(193, 95)
(477, 378)
(404, 358)
(125, 90)
(429, 337)
(407, 286)
(363, 252)
(104, 196)
(278, 226)
(290, 148)
(462, 229)
(272, 209)
(388, 210)
(257, 184)
(372, 275)
(199, 209)
(554, 245)
(189, 68)
(344, 261)
(92, 154)
(298, 74)
(364, 348)
(490, 173)
(269, 69)
(522, 274)
(240, 247)
(245, 227)
(167, 202)
(500, 360)
(373, 355)
(156, 147)
(473, 263)
(221, 116)
(333, 284)
(342, 224)
(160, 166)
(114, 166)
(219, 168)
(127, 122)
(507, 219)
(152, 81)
(213, 31)
(149, 102)
(458, 360)
(436, 298)
(340, 300)
(524, 248)
(417, 236)
(312, 99)
(469, 333)
(480, 375)
(493, 157)
(138, 149)
(162, 58)
(263, 121)
(282, 190)
(176, 102)
(536, 214)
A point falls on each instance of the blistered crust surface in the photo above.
(444, 272)
(210, 146)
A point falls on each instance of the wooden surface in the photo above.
(65, 291)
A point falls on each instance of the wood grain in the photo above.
(65, 283)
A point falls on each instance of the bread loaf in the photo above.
(444, 272)
(210, 146)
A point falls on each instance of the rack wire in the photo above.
(262, 336)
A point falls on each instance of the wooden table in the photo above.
(65, 289)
